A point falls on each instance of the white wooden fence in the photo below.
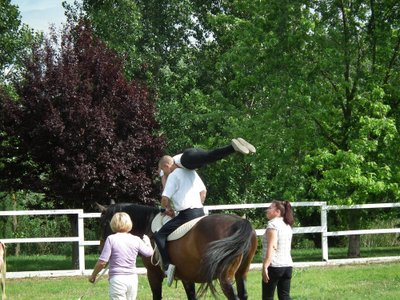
(322, 229)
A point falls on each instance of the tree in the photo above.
(322, 80)
(88, 132)
(313, 84)
(15, 40)
(118, 24)
(357, 164)
(169, 43)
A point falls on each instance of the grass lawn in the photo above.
(369, 281)
(59, 262)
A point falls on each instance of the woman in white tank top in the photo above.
(277, 261)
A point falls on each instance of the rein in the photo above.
(89, 290)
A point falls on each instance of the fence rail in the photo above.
(322, 229)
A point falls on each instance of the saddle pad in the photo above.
(159, 220)
(183, 229)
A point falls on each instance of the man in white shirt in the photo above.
(185, 190)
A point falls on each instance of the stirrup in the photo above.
(170, 274)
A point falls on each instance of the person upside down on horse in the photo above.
(184, 189)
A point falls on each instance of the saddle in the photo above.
(159, 220)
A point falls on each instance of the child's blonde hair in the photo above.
(121, 222)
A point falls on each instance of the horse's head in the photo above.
(141, 217)
(106, 214)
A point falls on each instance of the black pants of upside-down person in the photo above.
(194, 158)
(279, 277)
(160, 236)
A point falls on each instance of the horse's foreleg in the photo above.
(155, 277)
(190, 290)
(156, 292)
(155, 285)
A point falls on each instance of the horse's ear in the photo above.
(101, 208)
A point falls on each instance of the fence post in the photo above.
(324, 237)
(81, 235)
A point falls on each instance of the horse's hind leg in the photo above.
(241, 274)
(190, 290)
(229, 290)
(241, 286)
(227, 281)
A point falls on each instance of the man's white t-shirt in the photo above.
(183, 187)
(177, 160)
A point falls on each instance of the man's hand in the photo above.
(203, 195)
(165, 203)
(169, 212)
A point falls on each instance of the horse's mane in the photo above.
(141, 215)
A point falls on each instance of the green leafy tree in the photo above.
(178, 62)
(15, 40)
(321, 77)
(313, 84)
(118, 24)
(357, 163)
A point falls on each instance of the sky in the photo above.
(40, 14)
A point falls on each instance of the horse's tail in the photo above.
(222, 254)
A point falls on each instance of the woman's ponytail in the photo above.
(288, 215)
(286, 211)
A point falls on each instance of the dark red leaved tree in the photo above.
(90, 133)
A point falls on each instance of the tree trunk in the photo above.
(354, 246)
(73, 220)
(354, 240)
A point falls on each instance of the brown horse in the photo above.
(217, 247)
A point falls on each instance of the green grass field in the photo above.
(369, 281)
(59, 262)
